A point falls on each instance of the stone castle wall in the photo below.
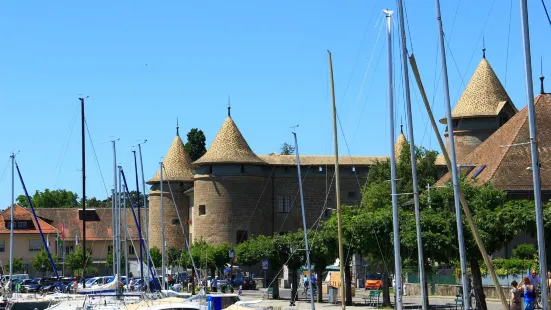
(174, 236)
(229, 203)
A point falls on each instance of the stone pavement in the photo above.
(410, 302)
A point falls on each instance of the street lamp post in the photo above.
(231, 254)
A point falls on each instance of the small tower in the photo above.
(231, 199)
(177, 178)
(399, 145)
(483, 108)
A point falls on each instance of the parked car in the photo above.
(374, 281)
(246, 283)
(55, 287)
(31, 285)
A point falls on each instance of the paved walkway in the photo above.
(410, 302)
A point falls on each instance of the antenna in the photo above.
(294, 127)
(483, 47)
(229, 106)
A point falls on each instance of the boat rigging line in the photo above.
(546, 13)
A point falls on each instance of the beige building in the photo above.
(65, 224)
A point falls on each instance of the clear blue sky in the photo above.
(144, 64)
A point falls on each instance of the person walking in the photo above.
(529, 291)
(214, 285)
(516, 303)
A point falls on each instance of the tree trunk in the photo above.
(192, 281)
(386, 289)
(477, 283)
(294, 285)
(275, 284)
(348, 281)
(319, 281)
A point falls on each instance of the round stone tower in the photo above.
(483, 108)
(232, 199)
(177, 178)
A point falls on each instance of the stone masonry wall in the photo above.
(231, 205)
(174, 236)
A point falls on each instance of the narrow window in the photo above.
(327, 212)
(175, 222)
(131, 250)
(242, 236)
(35, 245)
(286, 170)
(353, 169)
(109, 248)
(210, 169)
(351, 195)
(280, 204)
(2, 245)
(242, 168)
(320, 169)
(202, 210)
(287, 204)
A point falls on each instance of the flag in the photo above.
(59, 241)
(76, 240)
(62, 231)
(48, 241)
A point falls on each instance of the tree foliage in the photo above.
(156, 257)
(76, 259)
(195, 145)
(173, 256)
(109, 259)
(58, 198)
(18, 265)
(287, 149)
(41, 262)
(525, 251)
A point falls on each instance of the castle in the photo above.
(231, 193)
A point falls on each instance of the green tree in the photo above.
(525, 251)
(18, 265)
(195, 145)
(320, 254)
(498, 222)
(58, 198)
(41, 262)
(76, 259)
(109, 259)
(220, 255)
(287, 149)
(173, 256)
(156, 257)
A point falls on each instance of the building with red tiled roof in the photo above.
(65, 223)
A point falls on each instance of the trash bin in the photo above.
(333, 294)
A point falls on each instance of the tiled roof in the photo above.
(177, 164)
(100, 230)
(229, 146)
(483, 96)
(399, 145)
(503, 159)
(23, 214)
(287, 160)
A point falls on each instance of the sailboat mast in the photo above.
(305, 229)
(83, 141)
(420, 258)
(114, 210)
(337, 184)
(395, 215)
(162, 231)
(146, 210)
(125, 232)
(455, 175)
(139, 216)
(119, 214)
(534, 150)
(11, 214)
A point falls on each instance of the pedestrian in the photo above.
(529, 291)
(534, 279)
(214, 284)
(515, 296)
(131, 284)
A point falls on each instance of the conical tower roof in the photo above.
(177, 164)
(483, 96)
(399, 145)
(504, 159)
(229, 146)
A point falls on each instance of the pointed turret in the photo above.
(399, 145)
(229, 146)
(484, 96)
(177, 164)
